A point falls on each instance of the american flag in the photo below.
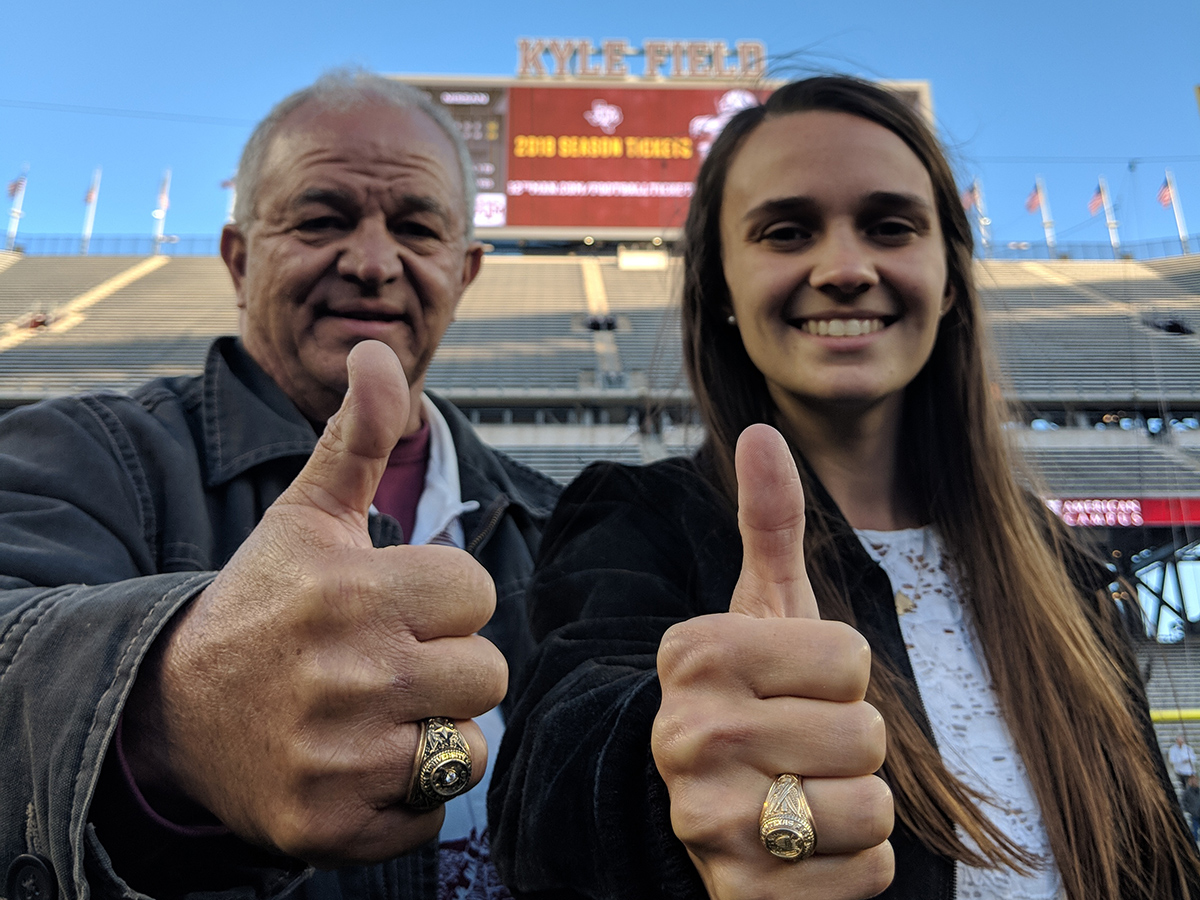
(1034, 200)
(90, 197)
(164, 192)
(1164, 193)
(1096, 202)
(15, 185)
(970, 197)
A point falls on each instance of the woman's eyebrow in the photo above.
(897, 201)
(783, 206)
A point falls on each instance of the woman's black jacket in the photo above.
(577, 807)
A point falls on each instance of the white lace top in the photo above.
(961, 703)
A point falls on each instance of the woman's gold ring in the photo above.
(786, 825)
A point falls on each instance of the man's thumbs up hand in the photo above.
(343, 473)
(774, 581)
(287, 699)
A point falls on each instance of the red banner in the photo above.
(1127, 512)
(610, 156)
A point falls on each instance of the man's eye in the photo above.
(322, 223)
(414, 229)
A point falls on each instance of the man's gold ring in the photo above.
(443, 765)
(786, 825)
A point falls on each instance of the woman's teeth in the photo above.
(842, 327)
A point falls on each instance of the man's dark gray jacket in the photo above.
(116, 511)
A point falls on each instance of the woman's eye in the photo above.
(785, 234)
(894, 229)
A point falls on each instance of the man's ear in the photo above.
(233, 252)
(472, 261)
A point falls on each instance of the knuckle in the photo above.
(695, 738)
(850, 643)
(875, 736)
(866, 732)
(879, 868)
(493, 675)
(297, 830)
(703, 817)
(697, 651)
(881, 809)
(850, 653)
(458, 573)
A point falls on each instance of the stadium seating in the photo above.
(1069, 335)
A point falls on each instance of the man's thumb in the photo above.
(774, 581)
(343, 473)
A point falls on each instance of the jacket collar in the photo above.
(246, 419)
(484, 477)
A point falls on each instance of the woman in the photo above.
(828, 292)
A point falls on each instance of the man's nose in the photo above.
(844, 263)
(372, 254)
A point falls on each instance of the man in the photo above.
(216, 667)
(1183, 760)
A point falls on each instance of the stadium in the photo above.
(567, 348)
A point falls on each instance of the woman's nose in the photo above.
(844, 263)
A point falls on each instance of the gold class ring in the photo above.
(786, 825)
(443, 765)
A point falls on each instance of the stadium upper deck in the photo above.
(1103, 357)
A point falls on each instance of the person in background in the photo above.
(1191, 804)
(841, 650)
(1182, 759)
(239, 634)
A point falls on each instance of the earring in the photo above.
(732, 320)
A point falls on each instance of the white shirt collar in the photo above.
(441, 501)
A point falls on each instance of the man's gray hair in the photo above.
(338, 90)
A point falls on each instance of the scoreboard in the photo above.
(568, 158)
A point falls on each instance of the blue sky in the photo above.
(1070, 91)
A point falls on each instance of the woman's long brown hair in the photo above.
(1061, 669)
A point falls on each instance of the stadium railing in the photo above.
(118, 245)
(1152, 249)
(209, 245)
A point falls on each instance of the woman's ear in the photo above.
(948, 299)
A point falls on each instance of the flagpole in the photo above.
(1179, 223)
(231, 186)
(14, 212)
(1047, 219)
(985, 224)
(89, 216)
(160, 214)
(1113, 237)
